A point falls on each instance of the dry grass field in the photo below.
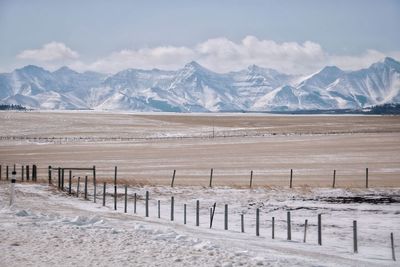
(148, 147)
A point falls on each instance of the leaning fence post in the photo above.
(172, 208)
(212, 210)
(126, 199)
(159, 208)
(257, 222)
(184, 213)
(70, 182)
(147, 203)
(289, 227)
(319, 230)
(305, 231)
(291, 178)
(197, 213)
(86, 187)
(392, 243)
(104, 193)
(355, 245)
(173, 179)
(49, 175)
(251, 179)
(334, 179)
(242, 222)
(77, 187)
(366, 178)
(273, 227)
(226, 217)
(211, 176)
(115, 188)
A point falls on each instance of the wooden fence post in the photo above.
(212, 214)
(289, 227)
(22, 172)
(94, 184)
(104, 193)
(159, 208)
(77, 187)
(173, 179)
(50, 175)
(62, 179)
(184, 213)
(34, 173)
(86, 187)
(291, 178)
(355, 245)
(211, 176)
(172, 208)
(15, 168)
(257, 222)
(126, 199)
(242, 222)
(147, 203)
(59, 176)
(392, 244)
(7, 173)
(115, 188)
(27, 173)
(70, 182)
(0, 172)
(273, 227)
(197, 212)
(319, 230)
(226, 217)
(134, 203)
(366, 178)
(251, 179)
(305, 231)
(334, 179)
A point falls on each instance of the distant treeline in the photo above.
(12, 107)
(385, 109)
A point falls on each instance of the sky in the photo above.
(291, 36)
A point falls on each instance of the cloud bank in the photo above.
(217, 54)
(49, 52)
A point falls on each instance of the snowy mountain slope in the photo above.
(332, 88)
(197, 89)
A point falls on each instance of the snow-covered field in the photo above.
(46, 227)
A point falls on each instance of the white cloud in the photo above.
(49, 52)
(164, 57)
(217, 54)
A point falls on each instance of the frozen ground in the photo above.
(49, 228)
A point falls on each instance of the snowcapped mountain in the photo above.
(197, 89)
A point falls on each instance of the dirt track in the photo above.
(147, 148)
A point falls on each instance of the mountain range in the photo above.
(197, 89)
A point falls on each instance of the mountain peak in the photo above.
(193, 65)
(391, 62)
(31, 68)
(65, 70)
(331, 70)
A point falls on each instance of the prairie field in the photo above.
(148, 147)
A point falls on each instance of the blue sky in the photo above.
(291, 36)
